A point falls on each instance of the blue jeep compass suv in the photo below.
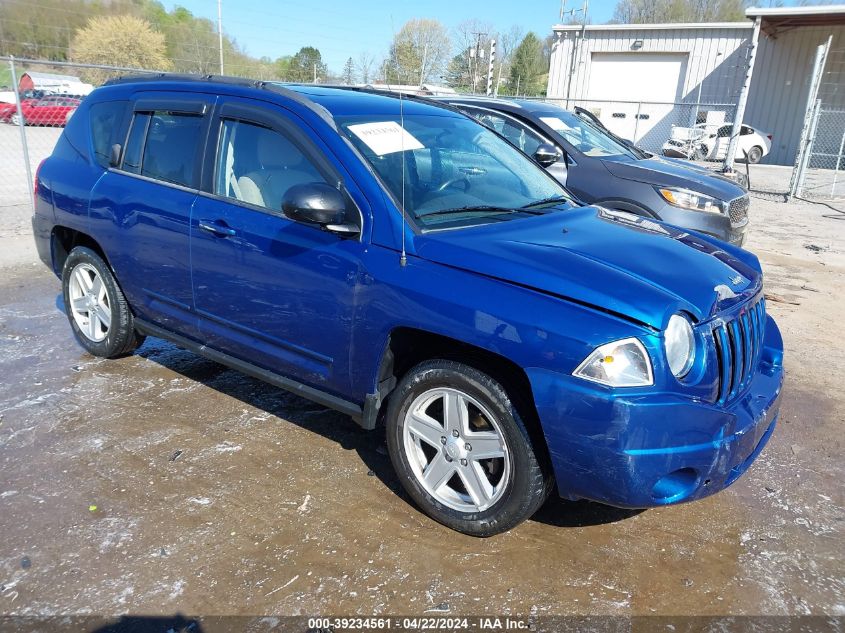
(400, 262)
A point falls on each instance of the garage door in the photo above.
(641, 77)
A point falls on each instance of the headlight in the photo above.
(622, 363)
(680, 345)
(691, 200)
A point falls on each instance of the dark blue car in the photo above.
(401, 263)
(602, 169)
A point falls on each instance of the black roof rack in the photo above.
(395, 94)
(229, 81)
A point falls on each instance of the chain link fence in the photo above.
(37, 99)
(820, 166)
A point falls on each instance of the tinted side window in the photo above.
(171, 148)
(163, 145)
(104, 119)
(135, 143)
(258, 165)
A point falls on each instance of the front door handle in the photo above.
(217, 229)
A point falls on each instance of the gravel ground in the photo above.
(163, 483)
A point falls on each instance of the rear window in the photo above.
(105, 120)
(163, 145)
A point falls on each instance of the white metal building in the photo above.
(643, 79)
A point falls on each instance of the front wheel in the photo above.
(16, 119)
(462, 451)
(95, 306)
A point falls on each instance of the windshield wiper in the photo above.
(551, 200)
(479, 208)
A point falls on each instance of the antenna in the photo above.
(403, 259)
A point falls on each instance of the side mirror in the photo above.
(317, 203)
(114, 155)
(547, 155)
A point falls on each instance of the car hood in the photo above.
(613, 261)
(666, 173)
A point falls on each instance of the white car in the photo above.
(700, 143)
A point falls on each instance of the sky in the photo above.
(343, 29)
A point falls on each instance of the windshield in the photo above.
(587, 138)
(455, 170)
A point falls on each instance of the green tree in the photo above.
(528, 67)
(122, 40)
(459, 71)
(349, 72)
(282, 66)
(305, 64)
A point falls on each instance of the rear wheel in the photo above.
(700, 153)
(98, 312)
(462, 451)
(755, 154)
(16, 119)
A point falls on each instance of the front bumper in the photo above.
(714, 224)
(655, 449)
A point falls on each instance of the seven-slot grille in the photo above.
(738, 209)
(738, 345)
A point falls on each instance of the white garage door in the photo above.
(640, 77)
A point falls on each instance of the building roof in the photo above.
(779, 19)
(653, 27)
(51, 78)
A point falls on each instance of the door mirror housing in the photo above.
(318, 203)
(547, 154)
(114, 155)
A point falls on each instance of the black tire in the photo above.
(700, 153)
(120, 335)
(529, 483)
(755, 155)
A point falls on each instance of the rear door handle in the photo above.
(217, 229)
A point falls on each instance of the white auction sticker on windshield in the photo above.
(385, 137)
(555, 123)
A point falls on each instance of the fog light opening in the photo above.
(676, 486)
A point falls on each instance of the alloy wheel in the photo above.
(89, 302)
(456, 450)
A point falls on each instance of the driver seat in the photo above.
(281, 166)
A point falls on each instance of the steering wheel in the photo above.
(454, 181)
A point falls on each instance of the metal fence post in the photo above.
(743, 98)
(836, 166)
(808, 154)
(802, 157)
(22, 126)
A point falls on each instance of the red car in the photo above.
(50, 110)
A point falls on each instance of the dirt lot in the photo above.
(164, 483)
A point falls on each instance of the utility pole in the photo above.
(475, 54)
(220, 31)
(315, 72)
(576, 43)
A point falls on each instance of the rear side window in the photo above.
(105, 118)
(163, 145)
